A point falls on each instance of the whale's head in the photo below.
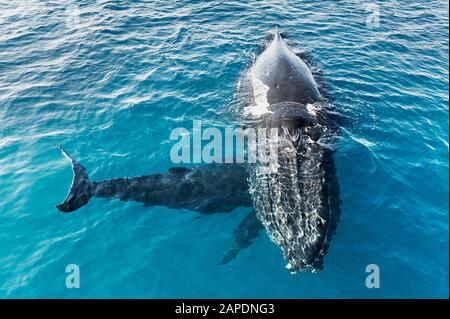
(283, 74)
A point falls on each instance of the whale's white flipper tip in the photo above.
(61, 150)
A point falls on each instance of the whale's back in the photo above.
(286, 76)
(296, 196)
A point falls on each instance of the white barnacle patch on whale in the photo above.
(260, 105)
(312, 109)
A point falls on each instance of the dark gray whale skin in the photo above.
(214, 188)
(299, 202)
(287, 76)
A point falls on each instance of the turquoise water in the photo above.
(111, 83)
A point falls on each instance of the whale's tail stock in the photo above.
(81, 189)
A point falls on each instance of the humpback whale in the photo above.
(297, 200)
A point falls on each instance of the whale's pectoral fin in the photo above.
(306, 57)
(244, 235)
(81, 189)
(339, 117)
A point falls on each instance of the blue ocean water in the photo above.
(109, 80)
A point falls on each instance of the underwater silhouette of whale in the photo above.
(208, 189)
(298, 203)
